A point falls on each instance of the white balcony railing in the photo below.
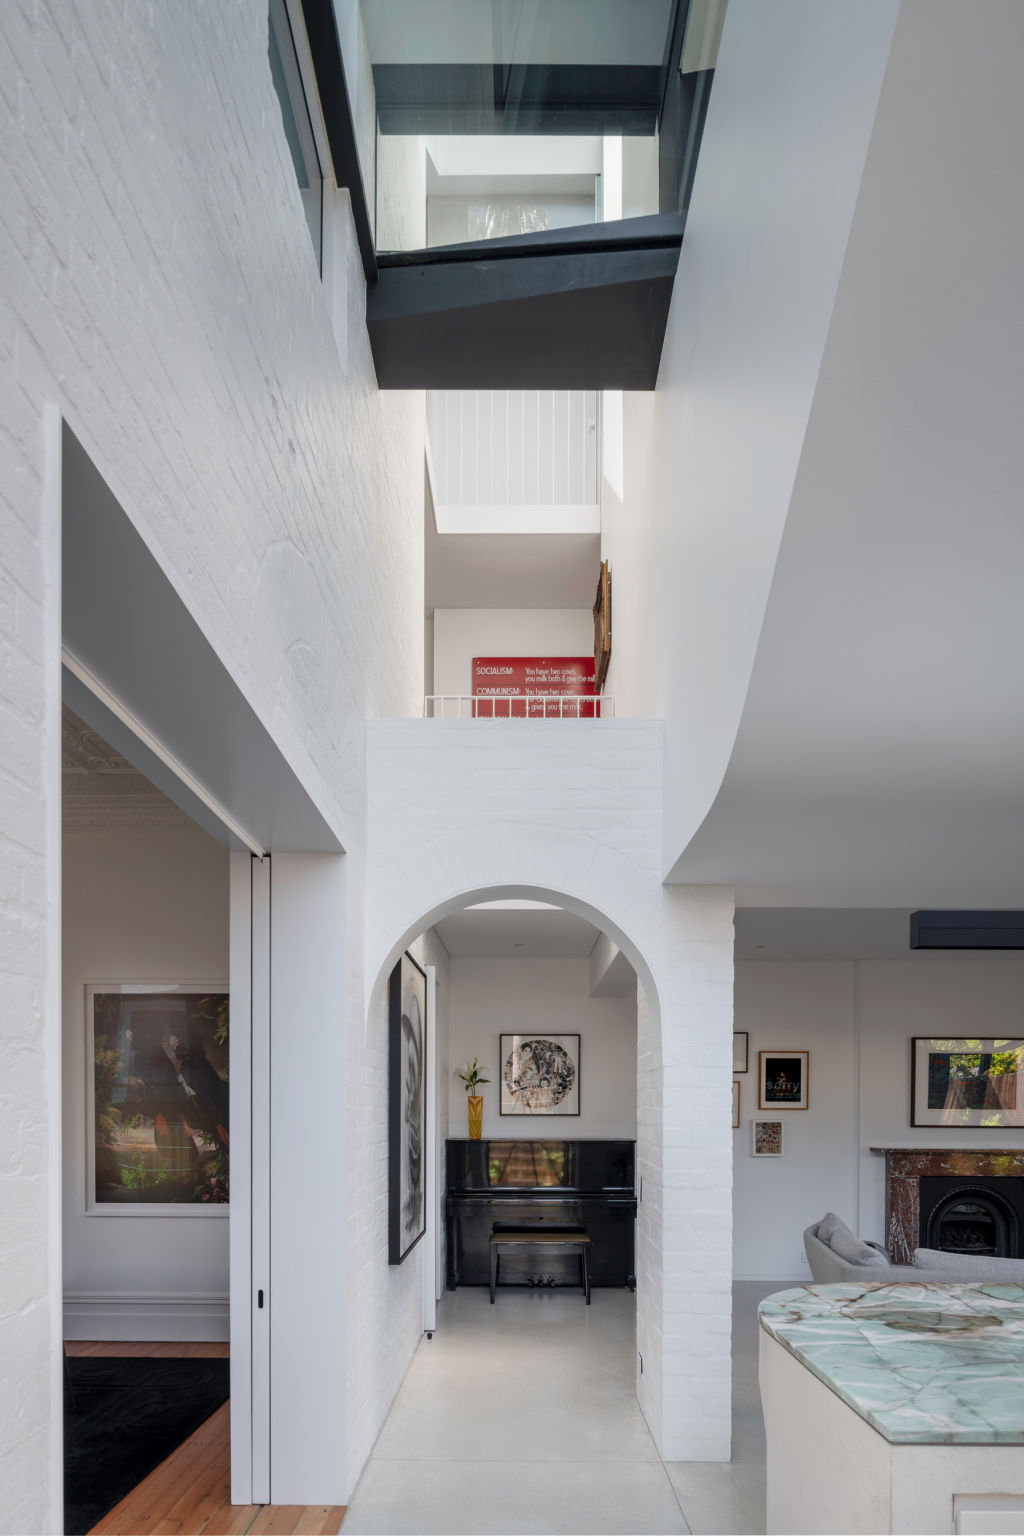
(553, 706)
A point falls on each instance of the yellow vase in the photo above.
(476, 1116)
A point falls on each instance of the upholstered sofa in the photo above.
(835, 1253)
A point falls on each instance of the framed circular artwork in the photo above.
(539, 1074)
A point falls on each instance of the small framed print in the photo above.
(971, 1083)
(740, 1050)
(784, 1079)
(766, 1138)
(735, 1106)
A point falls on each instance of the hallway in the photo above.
(522, 1417)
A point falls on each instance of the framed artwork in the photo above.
(157, 1112)
(539, 1074)
(974, 1083)
(784, 1079)
(766, 1138)
(602, 626)
(407, 1108)
(740, 1050)
(735, 1106)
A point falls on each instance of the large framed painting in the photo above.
(539, 1074)
(407, 1108)
(157, 1113)
(784, 1081)
(972, 1082)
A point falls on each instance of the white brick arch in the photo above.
(460, 814)
(509, 891)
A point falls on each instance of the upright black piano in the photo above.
(589, 1184)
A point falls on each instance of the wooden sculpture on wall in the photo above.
(602, 626)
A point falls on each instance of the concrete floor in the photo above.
(522, 1418)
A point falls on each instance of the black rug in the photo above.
(129, 1415)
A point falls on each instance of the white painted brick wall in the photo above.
(385, 1302)
(458, 808)
(159, 288)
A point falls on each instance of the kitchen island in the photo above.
(894, 1408)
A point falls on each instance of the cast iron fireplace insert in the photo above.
(974, 1215)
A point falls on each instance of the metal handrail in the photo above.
(534, 706)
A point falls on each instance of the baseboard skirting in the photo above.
(162, 1319)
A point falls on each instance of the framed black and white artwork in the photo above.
(784, 1079)
(971, 1082)
(740, 1050)
(539, 1074)
(407, 1108)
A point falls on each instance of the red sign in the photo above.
(541, 687)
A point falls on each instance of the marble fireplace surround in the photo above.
(906, 1166)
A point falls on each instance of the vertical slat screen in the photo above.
(514, 447)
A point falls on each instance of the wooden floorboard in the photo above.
(189, 1494)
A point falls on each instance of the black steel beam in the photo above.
(967, 930)
(581, 308)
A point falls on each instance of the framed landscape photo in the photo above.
(735, 1106)
(407, 1108)
(784, 1079)
(766, 1138)
(970, 1082)
(157, 1110)
(740, 1050)
(539, 1074)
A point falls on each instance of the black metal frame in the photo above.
(578, 309)
(332, 86)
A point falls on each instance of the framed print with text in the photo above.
(784, 1079)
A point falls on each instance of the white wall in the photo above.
(492, 997)
(790, 116)
(462, 633)
(160, 290)
(146, 905)
(385, 1302)
(856, 1017)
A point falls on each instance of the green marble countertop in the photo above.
(922, 1364)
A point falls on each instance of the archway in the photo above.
(645, 1109)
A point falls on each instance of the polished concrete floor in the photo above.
(522, 1418)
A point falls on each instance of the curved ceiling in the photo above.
(880, 755)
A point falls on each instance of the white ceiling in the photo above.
(880, 754)
(516, 931)
(518, 570)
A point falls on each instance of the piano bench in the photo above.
(550, 1242)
